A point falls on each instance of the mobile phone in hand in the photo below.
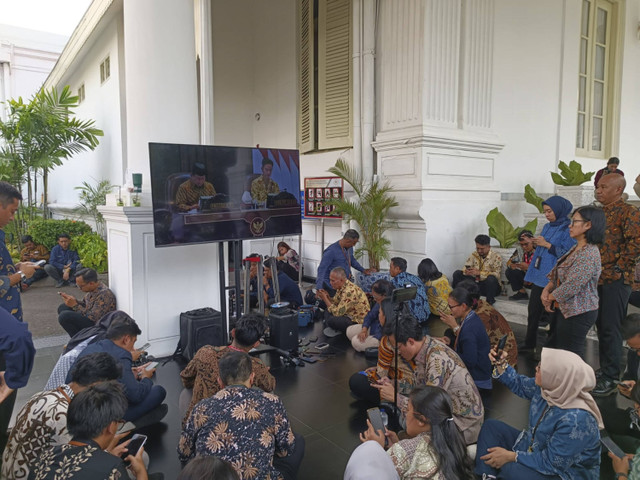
(40, 263)
(612, 447)
(136, 443)
(500, 347)
(144, 347)
(376, 419)
(151, 366)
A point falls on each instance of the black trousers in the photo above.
(490, 287)
(338, 323)
(614, 299)
(571, 333)
(361, 388)
(71, 321)
(536, 311)
(516, 278)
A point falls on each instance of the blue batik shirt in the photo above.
(9, 296)
(419, 306)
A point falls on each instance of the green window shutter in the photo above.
(306, 84)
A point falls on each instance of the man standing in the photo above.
(33, 253)
(347, 307)
(262, 186)
(518, 265)
(74, 314)
(16, 351)
(63, 261)
(189, 192)
(484, 266)
(619, 254)
(419, 306)
(244, 426)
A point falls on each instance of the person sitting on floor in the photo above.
(628, 467)
(369, 333)
(93, 419)
(348, 306)
(518, 265)
(484, 266)
(419, 306)
(288, 261)
(32, 252)
(75, 315)
(437, 286)
(361, 383)
(289, 290)
(208, 468)
(434, 447)
(243, 425)
(439, 366)
(202, 372)
(562, 439)
(42, 422)
(145, 398)
(63, 262)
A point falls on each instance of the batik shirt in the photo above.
(260, 190)
(9, 296)
(244, 426)
(40, 425)
(96, 304)
(489, 265)
(79, 460)
(440, 366)
(349, 301)
(188, 194)
(415, 458)
(419, 306)
(438, 291)
(566, 441)
(621, 247)
(34, 254)
(202, 374)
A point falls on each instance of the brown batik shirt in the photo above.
(621, 248)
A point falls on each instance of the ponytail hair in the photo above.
(433, 405)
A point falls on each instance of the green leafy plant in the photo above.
(91, 198)
(571, 175)
(47, 231)
(503, 231)
(369, 209)
(92, 250)
(532, 197)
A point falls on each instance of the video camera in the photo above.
(404, 294)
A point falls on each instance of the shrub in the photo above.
(92, 250)
(47, 231)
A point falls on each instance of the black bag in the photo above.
(198, 328)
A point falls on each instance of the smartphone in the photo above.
(376, 419)
(501, 343)
(151, 366)
(40, 263)
(144, 347)
(322, 346)
(612, 447)
(136, 443)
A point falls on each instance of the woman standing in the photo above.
(562, 439)
(573, 284)
(288, 261)
(437, 286)
(553, 242)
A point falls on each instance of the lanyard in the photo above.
(535, 429)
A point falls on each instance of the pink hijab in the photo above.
(567, 380)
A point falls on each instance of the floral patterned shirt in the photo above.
(40, 425)
(189, 194)
(35, 253)
(202, 373)
(438, 291)
(489, 265)
(419, 306)
(260, 190)
(621, 246)
(350, 301)
(97, 304)
(244, 426)
(415, 458)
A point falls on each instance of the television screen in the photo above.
(203, 193)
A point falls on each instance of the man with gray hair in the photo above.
(347, 307)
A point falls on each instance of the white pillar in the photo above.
(205, 47)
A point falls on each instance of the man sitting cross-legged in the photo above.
(63, 262)
(93, 419)
(145, 398)
(347, 307)
(202, 372)
(243, 425)
(400, 278)
(42, 422)
(74, 314)
(484, 266)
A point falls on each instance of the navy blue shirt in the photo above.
(9, 296)
(289, 291)
(17, 348)
(336, 256)
(473, 346)
(372, 322)
(59, 257)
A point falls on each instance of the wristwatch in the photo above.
(23, 277)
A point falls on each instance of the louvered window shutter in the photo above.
(306, 84)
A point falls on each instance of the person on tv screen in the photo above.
(263, 185)
(189, 192)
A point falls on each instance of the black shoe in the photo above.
(604, 387)
(60, 283)
(523, 348)
(519, 296)
(492, 301)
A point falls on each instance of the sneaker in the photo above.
(604, 387)
(330, 332)
(519, 296)
(154, 416)
(60, 283)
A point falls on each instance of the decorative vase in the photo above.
(578, 196)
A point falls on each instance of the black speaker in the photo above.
(283, 327)
(198, 328)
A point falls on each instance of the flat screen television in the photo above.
(203, 193)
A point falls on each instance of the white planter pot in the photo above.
(578, 196)
(505, 253)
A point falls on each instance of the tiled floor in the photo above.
(317, 399)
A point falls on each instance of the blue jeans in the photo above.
(152, 400)
(495, 433)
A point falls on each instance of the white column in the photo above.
(205, 41)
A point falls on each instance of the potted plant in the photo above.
(569, 183)
(369, 208)
(534, 199)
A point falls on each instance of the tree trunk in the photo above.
(45, 188)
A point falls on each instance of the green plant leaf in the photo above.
(501, 229)
(531, 226)
(532, 197)
(571, 175)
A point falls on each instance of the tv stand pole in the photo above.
(222, 260)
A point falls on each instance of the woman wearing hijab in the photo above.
(562, 439)
(553, 242)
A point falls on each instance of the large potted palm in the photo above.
(369, 207)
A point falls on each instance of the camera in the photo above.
(404, 294)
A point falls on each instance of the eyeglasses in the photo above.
(537, 367)
(454, 306)
(573, 222)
